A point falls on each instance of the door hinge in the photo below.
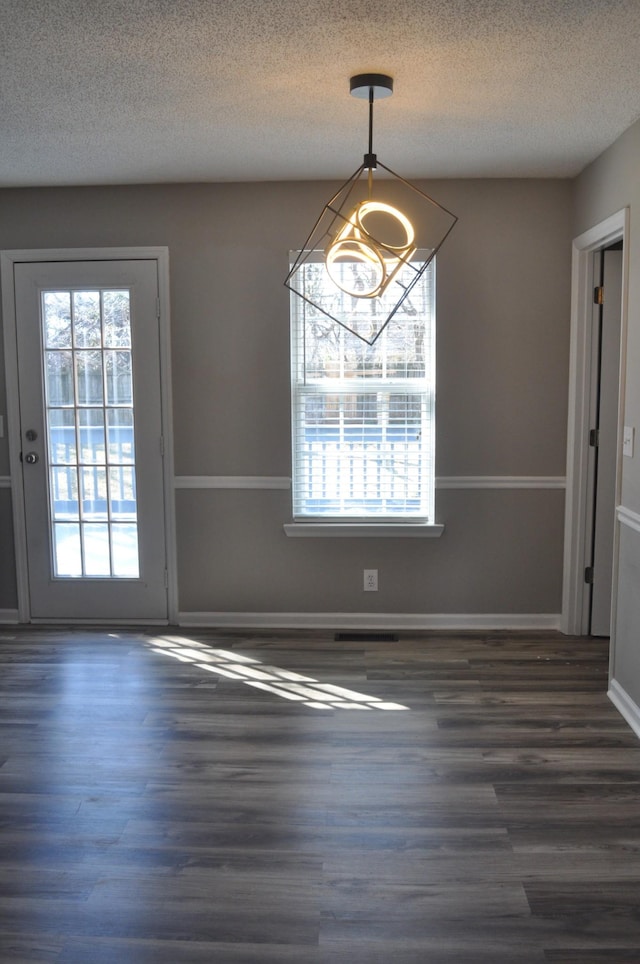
(588, 575)
(594, 438)
(598, 295)
(161, 440)
(157, 308)
(166, 579)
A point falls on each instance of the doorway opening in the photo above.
(603, 437)
(596, 391)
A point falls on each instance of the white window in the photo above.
(363, 417)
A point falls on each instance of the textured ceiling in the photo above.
(130, 91)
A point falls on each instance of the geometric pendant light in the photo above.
(373, 241)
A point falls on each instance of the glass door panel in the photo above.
(89, 398)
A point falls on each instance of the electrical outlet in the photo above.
(370, 580)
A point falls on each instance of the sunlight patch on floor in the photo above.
(272, 679)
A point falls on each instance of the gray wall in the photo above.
(503, 338)
(606, 186)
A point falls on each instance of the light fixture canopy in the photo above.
(360, 85)
(369, 251)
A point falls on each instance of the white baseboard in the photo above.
(9, 616)
(625, 705)
(377, 621)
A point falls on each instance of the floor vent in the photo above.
(366, 638)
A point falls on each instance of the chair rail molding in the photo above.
(442, 482)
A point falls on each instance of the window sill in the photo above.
(359, 530)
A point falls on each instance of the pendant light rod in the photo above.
(370, 159)
(371, 86)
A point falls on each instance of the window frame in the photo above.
(387, 522)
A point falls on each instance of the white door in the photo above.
(87, 337)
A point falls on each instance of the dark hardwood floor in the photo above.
(289, 799)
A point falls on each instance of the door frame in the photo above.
(579, 480)
(7, 261)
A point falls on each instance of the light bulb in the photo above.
(354, 244)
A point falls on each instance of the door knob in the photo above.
(31, 458)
